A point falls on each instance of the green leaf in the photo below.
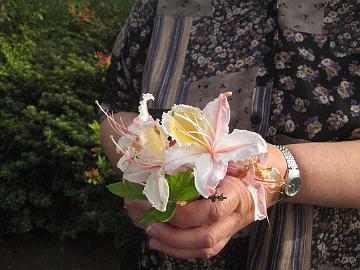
(182, 187)
(153, 215)
(188, 194)
(127, 190)
(39, 16)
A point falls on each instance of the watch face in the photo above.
(293, 187)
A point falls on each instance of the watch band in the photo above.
(293, 181)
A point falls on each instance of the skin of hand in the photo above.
(202, 228)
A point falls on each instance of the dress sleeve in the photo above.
(123, 78)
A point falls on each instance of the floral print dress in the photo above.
(306, 55)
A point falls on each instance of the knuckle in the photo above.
(208, 253)
(209, 241)
(217, 212)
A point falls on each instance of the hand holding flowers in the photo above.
(202, 228)
(199, 155)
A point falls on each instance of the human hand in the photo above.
(136, 210)
(202, 228)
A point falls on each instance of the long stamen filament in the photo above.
(135, 160)
(118, 146)
(196, 139)
(204, 135)
(119, 128)
(211, 129)
(114, 127)
(197, 126)
(188, 119)
(210, 140)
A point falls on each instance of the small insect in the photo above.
(215, 197)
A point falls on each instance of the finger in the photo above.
(207, 236)
(136, 210)
(205, 253)
(203, 212)
(132, 204)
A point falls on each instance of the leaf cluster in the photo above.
(181, 191)
(49, 80)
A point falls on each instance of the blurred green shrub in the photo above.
(53, 57)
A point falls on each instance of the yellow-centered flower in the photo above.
(203, 142)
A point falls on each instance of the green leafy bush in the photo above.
(53, 57)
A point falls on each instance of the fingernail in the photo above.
(151, 232)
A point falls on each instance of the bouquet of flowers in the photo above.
(184, 156)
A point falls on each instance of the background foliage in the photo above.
(53, 58)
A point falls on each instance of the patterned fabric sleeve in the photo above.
(123, 79)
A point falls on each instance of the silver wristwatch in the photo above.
(293, 180)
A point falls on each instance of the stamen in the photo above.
(196, 126)
(131, 159)
(118, 146)
(196, 139)
(120, 129)
(211, 129)
(204, 135)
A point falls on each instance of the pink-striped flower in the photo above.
(203, 142)
(142, 145)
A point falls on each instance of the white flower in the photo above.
(204, 142)
(142, 144)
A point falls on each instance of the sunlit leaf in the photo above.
(128, 190)
(182, 187)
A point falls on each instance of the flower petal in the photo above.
(260, 158)
(123, 163)
(124, 142)
(238, 168)
(217, 112)
(249, 178)
(135, 174)
(177, 156)
(259, 196)
(143, 117)
(239, 145)
(157, 191)
(208, 173)
(152, 142)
